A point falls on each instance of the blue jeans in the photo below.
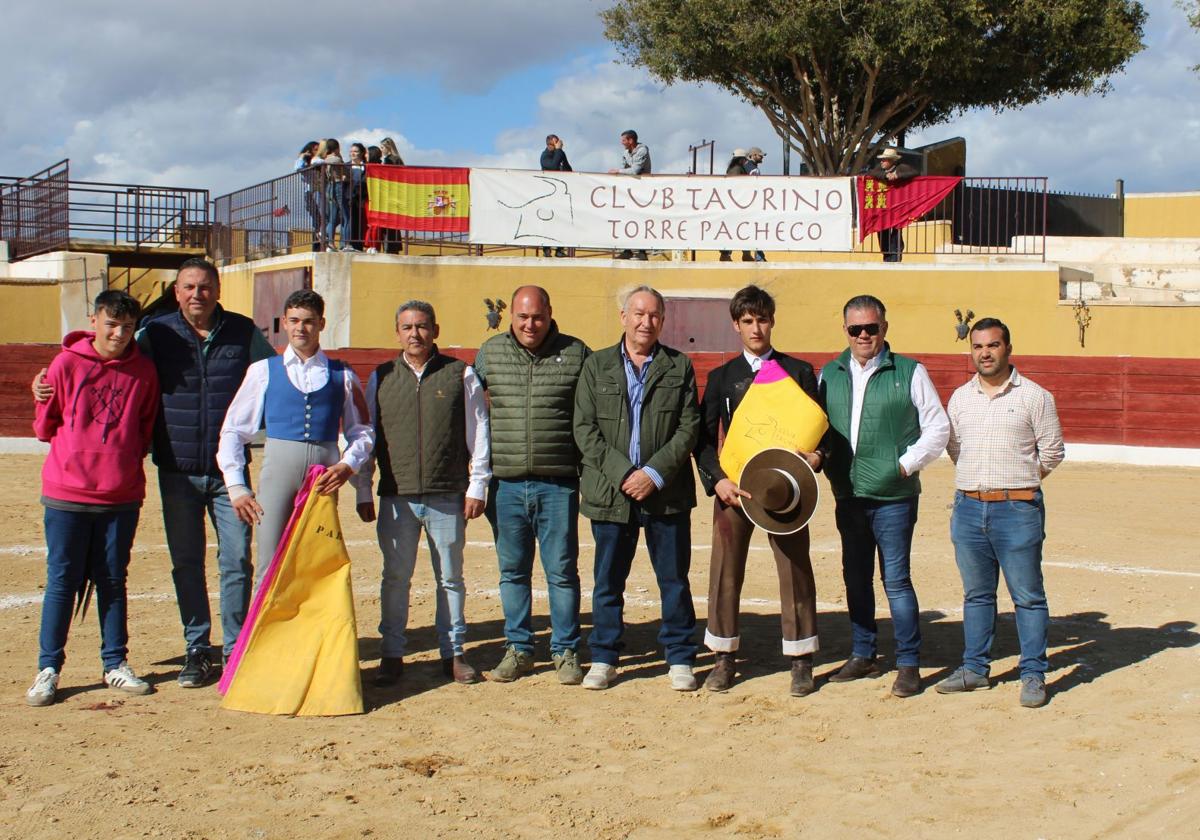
(337, 211)
(867, 527)
(669, 540)
(186, 499)
(82, 547)
(545, 509)
(401, 519)
(993, 536)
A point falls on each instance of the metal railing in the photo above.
(49, 211)
(34, 212)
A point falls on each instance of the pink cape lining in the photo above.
(771, 371)
(260, 594)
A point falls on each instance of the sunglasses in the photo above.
(856, 330)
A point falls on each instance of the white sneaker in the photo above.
(372, 250)
(682, 678)
(123, 679)
(599, 676)
(44, 687)
(331, 250)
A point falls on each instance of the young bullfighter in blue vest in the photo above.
(302, 397)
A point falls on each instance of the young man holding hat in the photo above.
(753, 313)
(892, 171)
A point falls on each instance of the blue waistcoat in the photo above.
(291, 414)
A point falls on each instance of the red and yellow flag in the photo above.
(882, 205)
(425, 198)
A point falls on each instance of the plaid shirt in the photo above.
(1008, 441)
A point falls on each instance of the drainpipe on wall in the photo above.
(1120, 194)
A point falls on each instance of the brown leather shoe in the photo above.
(460, 670)
(802, 678)
(389, 671)
(908, 681)
(856, 668)
(720, 678)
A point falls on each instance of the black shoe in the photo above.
(389, 671)
(560, 252)
(856, 668)
(908, 681)
(802, 678)
(641, 255)
(625, 255)
(197, 669)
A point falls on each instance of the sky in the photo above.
(221, 95)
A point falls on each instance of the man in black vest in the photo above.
(432, 447)
(753, 314)
(530, 373)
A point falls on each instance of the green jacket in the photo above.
(532, 397)
(889, 424)
(670, 425)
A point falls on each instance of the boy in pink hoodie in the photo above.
(99, 423)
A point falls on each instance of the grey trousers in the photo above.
(285, 463)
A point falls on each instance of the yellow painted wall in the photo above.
(33, 313)
(921, 301)
(1163, 215)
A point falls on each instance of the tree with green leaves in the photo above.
(838, 78)
(1191, 8)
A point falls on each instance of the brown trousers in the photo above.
(797, 590)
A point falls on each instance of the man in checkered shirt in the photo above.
(1004, 439)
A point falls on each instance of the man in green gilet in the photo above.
(530, 372)
(432, 447)
(886, 424)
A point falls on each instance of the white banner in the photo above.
(661, 212)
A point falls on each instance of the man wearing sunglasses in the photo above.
(886, 424)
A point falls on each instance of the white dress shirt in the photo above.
(245, 415)
(479, 439)
(755, 362)
(935, 426)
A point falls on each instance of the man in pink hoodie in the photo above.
(98, 421)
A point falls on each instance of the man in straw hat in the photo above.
(753, 312)
(892, 171)
(886, 425)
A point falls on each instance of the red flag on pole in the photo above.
(882, 205)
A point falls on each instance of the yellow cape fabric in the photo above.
(776, 414)
(302, 654)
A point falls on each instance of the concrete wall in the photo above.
(921, 300)
(1162, 214)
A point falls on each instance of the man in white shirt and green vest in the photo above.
(886, 425)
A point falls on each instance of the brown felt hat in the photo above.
(783, 491)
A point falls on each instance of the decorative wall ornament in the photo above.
(963, 327)
(494, 311)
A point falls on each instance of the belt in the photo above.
(1023, 495)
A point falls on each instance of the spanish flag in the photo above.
(298, 650)
(419, 198)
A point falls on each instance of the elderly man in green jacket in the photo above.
(636, 423)
(530, 373)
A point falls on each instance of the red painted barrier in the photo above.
(1113, 400)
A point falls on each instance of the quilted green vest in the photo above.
(532, 400)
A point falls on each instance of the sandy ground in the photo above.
(1114, 754)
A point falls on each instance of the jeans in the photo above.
(993, 536)
(82, 547)
(337, 212)
(669, 541)
(400, 521)
(545, 509)
(868, 526)
(186, 500)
